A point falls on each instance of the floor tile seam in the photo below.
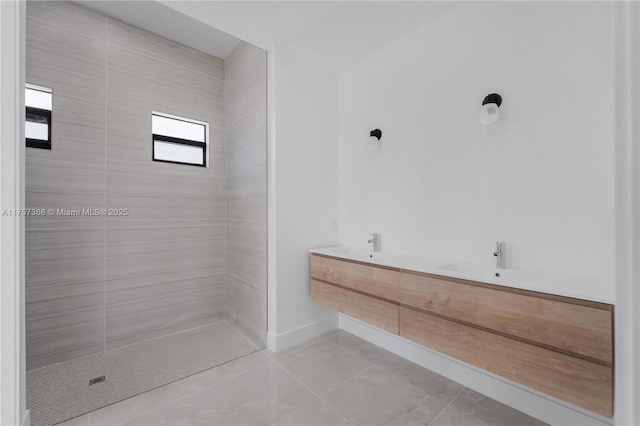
(316, 342)
(346, 380)
(322, 398)
(353, 351)
(283, 368)
(338, 413)
(311, 402)
(381, 364)
(314, 393)
(184, 396)
(447, 406)
(293, 412)
(300, 348)
(359, 352)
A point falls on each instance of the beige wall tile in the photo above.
(161, 268)
(247, 190)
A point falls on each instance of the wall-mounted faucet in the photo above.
(500, 255)
(375, 240)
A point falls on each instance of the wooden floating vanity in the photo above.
(558, 345)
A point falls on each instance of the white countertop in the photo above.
(545, 282)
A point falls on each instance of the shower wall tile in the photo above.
(64, 289)
(78, 132)
(66, 49)
(246, 109)
(64, 255)
(164, 282)
(166, 258)
(247, 237)
(248, 267)
(152, 250)
(250, 128)
(102, 282)
(246, 307)
(59, 344)
(252, 153)
(165, 232)
(165, 51)
(60, 176)
(247, 183)
(248, 151)
(160, 179)
(141, 81)
(67, 16)
(246, 82)
(244, 57)
(247, 210)
(139, 312)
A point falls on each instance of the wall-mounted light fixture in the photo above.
(489, 111)
(374, 144)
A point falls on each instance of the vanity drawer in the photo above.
(374, 311)
(380, 282)
(576, 327)
(575, 380)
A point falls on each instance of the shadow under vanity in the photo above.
(562, 346)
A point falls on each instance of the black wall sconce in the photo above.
(374, 145)
(489, 112)
(493, 98)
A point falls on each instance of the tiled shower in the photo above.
(191, 248)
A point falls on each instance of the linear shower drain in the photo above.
(97, 380)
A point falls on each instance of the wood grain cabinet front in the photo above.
(369, 309)
(381, 282)
(575, 380)
(576, 327)
(557, 345)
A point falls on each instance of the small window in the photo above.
(179, 140)
(37, 125)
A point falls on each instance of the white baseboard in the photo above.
(300, 334)
(26, 418)
(271, 341)
(529, 401)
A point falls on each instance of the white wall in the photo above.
(12, 347)
(443, 185)
(522, 72)
(627, 313)
(303, 119)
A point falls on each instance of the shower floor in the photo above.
(59, 392)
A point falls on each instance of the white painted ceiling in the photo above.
(157, 18)
(334, 35)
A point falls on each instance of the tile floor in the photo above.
(335, 379)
